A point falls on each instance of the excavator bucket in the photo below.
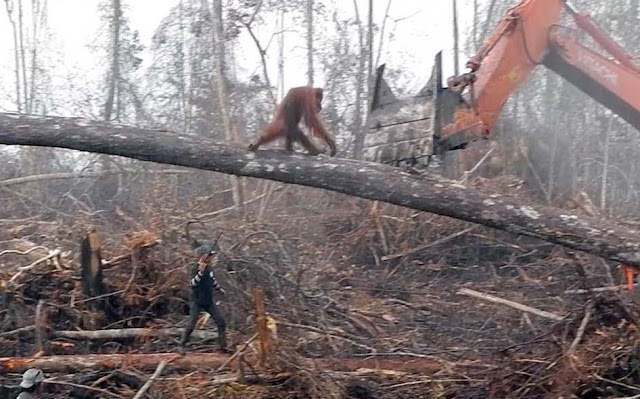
(408, 131)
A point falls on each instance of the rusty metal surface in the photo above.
(401, 130)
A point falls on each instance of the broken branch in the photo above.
(506, 302)
(238, 352)
(82, 175)
(17, 331)
(431, 244)
(147, 384)
(583, 326)
(55, 253)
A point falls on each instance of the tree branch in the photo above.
(362, 179)
(82, 175)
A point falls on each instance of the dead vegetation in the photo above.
(362, 300)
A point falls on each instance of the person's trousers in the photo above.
(194, 311)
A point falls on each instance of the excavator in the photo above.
(411, 130)
(439, 119)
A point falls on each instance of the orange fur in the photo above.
(300, 104)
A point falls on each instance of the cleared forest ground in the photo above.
(364, 300)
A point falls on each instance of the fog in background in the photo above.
(562, 143)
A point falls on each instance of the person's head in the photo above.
(204, 253)
(32, 380)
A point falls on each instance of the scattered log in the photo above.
(17, 331)
(124, 333)
(194, 361)
(597, 289)
(76, 363)
(362, 179)
(515, 305)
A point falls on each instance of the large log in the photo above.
(193, 361)
(123, 333)
(75, 363)
(362, 179)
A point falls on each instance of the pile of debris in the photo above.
(369, 301)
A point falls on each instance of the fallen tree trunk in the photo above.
(362, 179)
(76, 363)
(131, 333)
(192, 361)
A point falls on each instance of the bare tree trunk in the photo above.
(488, 20)
(16, 53)
(271, 186)
(605, 166)
(181, 70)
(384, 25)
(578, 149)
(25, 89)
(34, 52)
(220, 79)
(263, 59)
(573, 161)
(218, 31)
(310, 42)
(281, 54)
(115, 60)
(475, 25)
(370, 63)
(631, 189)
(114, 74)
(550, 90)
(36, 12)
(456, 62)
(357, 123)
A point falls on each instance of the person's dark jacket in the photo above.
(202, 285)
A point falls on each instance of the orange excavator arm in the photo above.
(527, 36)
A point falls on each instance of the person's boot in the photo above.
(182, 349)
(222, 341)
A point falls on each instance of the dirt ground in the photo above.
(363, 306)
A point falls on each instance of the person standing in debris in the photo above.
(203, 284)
(31, 384)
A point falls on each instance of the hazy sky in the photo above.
(420, 28)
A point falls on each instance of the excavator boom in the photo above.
(612, 84)
(442, 119)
